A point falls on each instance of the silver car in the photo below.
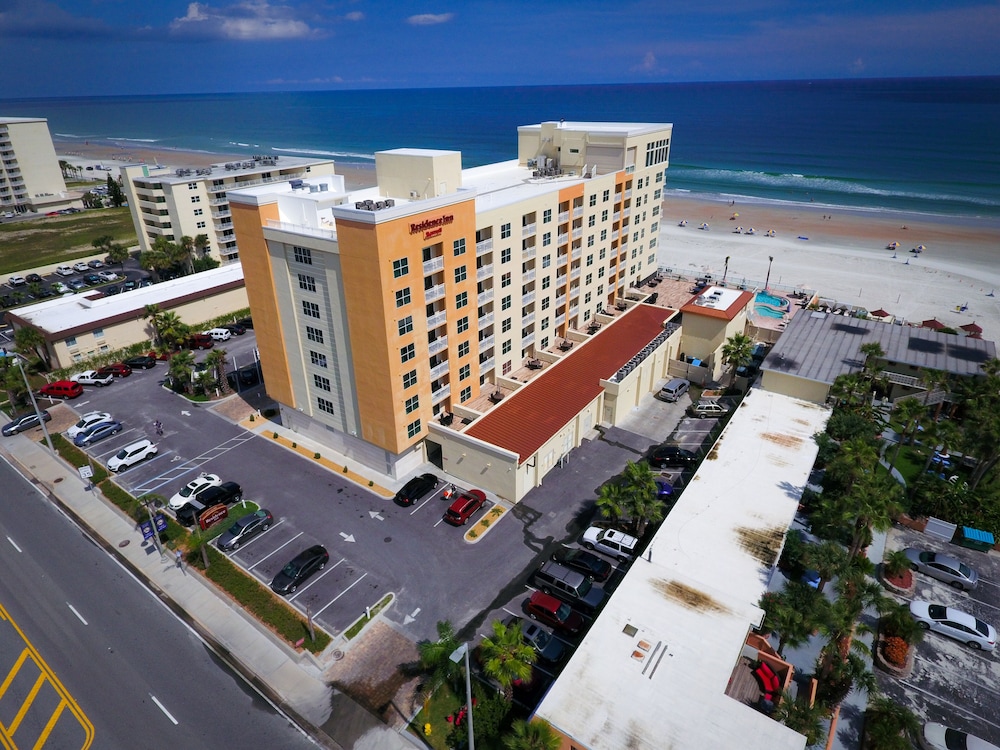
(939, 737)
(943, 567)
(954, 623)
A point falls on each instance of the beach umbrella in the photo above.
(921, 248)
(738, 230)
(893, 245)
(972, 328)
(933, 324)
(733, 217)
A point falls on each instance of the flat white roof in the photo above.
(718, 297)
(653, 669)
(622, 128)
(76, 311)
(219, 170)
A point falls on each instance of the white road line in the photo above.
(261, 535)
(12, 544)
(79, 616)
(317, 614)
(981, 716)
(315, 580)
(431, 497)
(160, 706)
(276, 551)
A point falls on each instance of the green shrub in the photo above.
(73, 455)
(316, 455)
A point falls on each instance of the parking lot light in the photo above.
(456, 656)
(34, 405)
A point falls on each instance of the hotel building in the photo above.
(392, 321)
(30, 177)
(190, 201)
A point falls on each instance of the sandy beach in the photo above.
(845, 257)
(841, 254)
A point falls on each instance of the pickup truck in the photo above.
(92, 377)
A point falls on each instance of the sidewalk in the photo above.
(290, 680)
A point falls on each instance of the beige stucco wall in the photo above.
(418, 173)
(789, 385)
(704, 336)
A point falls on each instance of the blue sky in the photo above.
(95, 47)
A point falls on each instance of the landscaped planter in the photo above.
(900, 672)
(904, 584)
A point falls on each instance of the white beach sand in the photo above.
(845, 258)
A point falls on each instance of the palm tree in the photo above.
(641, 502)
(173, 330)
(873, 503)
(12, 382)
(793, 613)
(30, 338)
(983, 432)
(531, 735)
(180, 369)
(184, 253)
(737, 352)
(154, 315)
(889, 725)
(800, 717)
(216, 366)
(202, 244)
(435, 658)
(909, 412)
(611, 501)
(828, 559)
(506, 657)
(849, 389)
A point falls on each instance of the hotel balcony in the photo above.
(487, 365)
(434, 293)
(438, 370)
(483, 297)
(484, 246)
(617, 216)
(577, 212)
(528, 319)
(224, 213)
(578, 233)
(575, 273)
(527, 299)
(433, 265)
(441, 394)
(562, 238)
(437, 346)
(484, 273)
(628, 193)
(438, 318)
(486, 343)
(528, 253)
(486, 320)
(577, 253)
(560, 300)
(528, 341)
(218, 201)
(562, 260)
(528, 276)
(560, 319)
(561, 280)
(563, 216)
(528, 230)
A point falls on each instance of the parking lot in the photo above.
(377, 547)
(952, 683)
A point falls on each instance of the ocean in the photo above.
(918, 145)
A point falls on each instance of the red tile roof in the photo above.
(526, 419)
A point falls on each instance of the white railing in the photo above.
(527, 299)
(437, 345)
(564, 216)
(434, 293)
(439, 370)
(487, 365)
(433, 265)
(486, 343)
(529, 276)
(433, 321)
(441, 394)
(528, 230)
(528, 341)
(484, 246)
(486, 320)
(484, 272)
(286, 226)
(484, 297)
(529, 252)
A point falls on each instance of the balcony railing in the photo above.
(564, 216)
(577, 212)
(528, 230)
(485, 272)
(484, 297)
(527, 299)
(438, 318)
(441, 393)
(433, 265)
(437, 345)
(488, 365)
(528, 253)
(484, 246)
(529, 276)
(486, 343)
(436, 292)
(528, 341)
(438, 370)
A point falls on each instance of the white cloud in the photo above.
(429, 19)
(256, 20)
(355, 15)
(648, 64)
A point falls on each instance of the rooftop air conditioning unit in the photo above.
(414, 195)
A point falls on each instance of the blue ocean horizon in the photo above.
(914, 145)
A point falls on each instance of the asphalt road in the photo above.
(101, 651)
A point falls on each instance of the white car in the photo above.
(939, 737)
(954, 623)
(87, 421)
(192, 489)
(81, 267)
(616, 544)
(65, 270)
(108, 275)
(17, 281)
(131, 454)
(92, 377)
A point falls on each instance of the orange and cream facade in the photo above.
(379, 311)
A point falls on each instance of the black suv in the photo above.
(672, 455)
(226, 493)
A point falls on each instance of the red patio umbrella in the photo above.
(880, 313)
(933, 323)
(972, 328)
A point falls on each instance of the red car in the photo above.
(61, 389)
(465, 505)
(118, 370)
(553, 612)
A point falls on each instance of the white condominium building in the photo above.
(174, 202)
(30, 178)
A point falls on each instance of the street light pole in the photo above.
(767, 282)
(34, 405)
(456, 656)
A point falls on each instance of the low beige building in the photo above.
(710, 319)
(83, 325)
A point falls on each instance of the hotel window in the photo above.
(600, 272)
(592, 220)
(546, 216)
(655, 227)
(656, 211)
(505, 303)
(310, 308)
(413, 429)
(407, 353)
(460, 274)
(314, 334)
(635, 252)
(196, 199)
(604, 235)
(506, 325)
(405, 325)
(192, 186)
(412, 404)
(546, 281)
(307, 282)
(590, 240)
(318, 359)
(198, 212)
(505, 231)
(505, 255)
(463, 324)
(590, 279)
(635, 236)
(651, 259)
(409, 379)
(325, 405)
(546, 239)
(546, 261)
(586, 298)
(71, 341)
(652, 242)
(659, 176)
(321, 382)
(545, 303)
(464, 372)
(603, 253)
(506, 347)
(465, 395)
(459, 246)
(604, 215)
(200, 225)
(461, 300)
(98, 333)
(656, 194)
(505, 280)
(600, 290)
(607, 195)
(400, 267)
(545, 323)
(463, 349)
(590, 259)
(593, 200)
(403, 297)
(302, 255)
(506, 367)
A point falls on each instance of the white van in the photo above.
(218, 334)
(674, 389)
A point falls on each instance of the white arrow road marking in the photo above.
(347, 537)
(411, 617)
(183, 414)
(376, 514)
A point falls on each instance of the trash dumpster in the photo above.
(975, 539)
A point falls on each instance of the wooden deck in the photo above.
(743, 686)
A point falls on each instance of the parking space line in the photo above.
(363, 576)
(193, 464)
(432, 497)
(315, 580)
(260, 536)
(938, 699)
(275, 551)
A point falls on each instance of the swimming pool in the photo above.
(769, 306)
